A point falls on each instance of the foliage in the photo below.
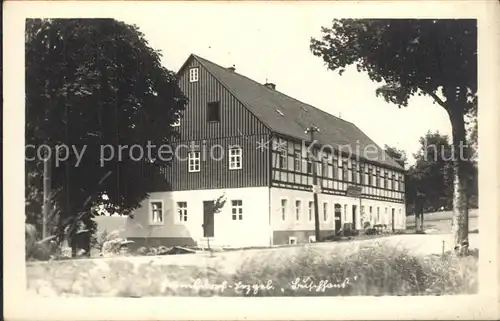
(371, 270)
(432, 173)
(398, 155)
(92, 83)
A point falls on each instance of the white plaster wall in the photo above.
(253, 230)
(290, 222)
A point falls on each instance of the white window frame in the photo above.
(299, 208)
(237, 210)
(194, 74)
(292, 238)
(152, 221)
(283, 210)
(181, 212)
(235, 158)
(325, 211)
(194, 162)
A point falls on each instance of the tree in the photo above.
(437, 58)
(398, 155)
(93, 85)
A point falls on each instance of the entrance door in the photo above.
(208, 219)
(393, 217)
(338, 217)
(354, 215)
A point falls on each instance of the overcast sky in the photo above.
(273, 44)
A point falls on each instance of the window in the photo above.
(237, 210)
(235, 156)
(378, 215)
(156, 210)
(298, 209)
(310, 211)
(283, 209)
(292, 240)
(345, 213)
(298, 162)
(193, 74)
(309, 166)
(371, 215)
(182, 211)
(213, 111)
(345, 172)
(283, 159)
(324, 168)
(325, 212)
(194, 162)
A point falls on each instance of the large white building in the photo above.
(248, 142)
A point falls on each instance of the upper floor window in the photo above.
(213, 111)
(182, 211)
(309, 166)
(237, 210)
(194, 162)
(156, 212)
(298, 162)
(283, 155)
(193, 74)
(235, 158)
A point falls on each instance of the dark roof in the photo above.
(295, 116)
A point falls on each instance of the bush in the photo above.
(371, 231)
(366, 225)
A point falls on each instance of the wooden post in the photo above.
(312, 158)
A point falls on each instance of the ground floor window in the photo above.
(156, 212)
(182, 211)
(284, 204)
(237, 210)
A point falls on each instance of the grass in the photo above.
(300, 271)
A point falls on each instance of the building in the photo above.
(247, 141)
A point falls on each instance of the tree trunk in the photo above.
(46, 192)
(460, 222)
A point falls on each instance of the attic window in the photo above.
(213, 111)
(280, 112)
(193, 74)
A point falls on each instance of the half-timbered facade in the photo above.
(248, 142)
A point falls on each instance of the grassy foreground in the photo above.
(367, 270)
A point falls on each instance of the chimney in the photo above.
(270, 85)
(232, 68)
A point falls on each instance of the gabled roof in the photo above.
(290, 117)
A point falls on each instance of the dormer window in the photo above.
(213, 111)
(193, 74)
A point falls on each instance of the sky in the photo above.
(273, 45)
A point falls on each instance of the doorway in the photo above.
(354, 216)
(338, 218)
(208, 219)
